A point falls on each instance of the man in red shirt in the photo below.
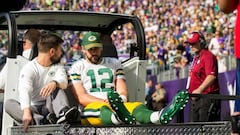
(228, 6)
(203, 79)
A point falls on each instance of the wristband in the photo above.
(123, 97)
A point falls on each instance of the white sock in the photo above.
(115, 120)
(155, 117)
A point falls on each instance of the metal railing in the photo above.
(172, 73)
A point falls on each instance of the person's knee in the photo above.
(9, 104)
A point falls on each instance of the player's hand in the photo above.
(27, 119)
(106, 101)
(48, 89)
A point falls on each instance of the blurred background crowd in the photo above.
(167, 24)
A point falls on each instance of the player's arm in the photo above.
(227, 6)
(82, 96)
(25, 90)
(206, 83)
(27, 118)
(61, 79)
(121, 88)
(120, 84)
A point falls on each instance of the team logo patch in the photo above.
(92, 38)
(51, 74)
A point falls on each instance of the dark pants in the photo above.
(205, 109)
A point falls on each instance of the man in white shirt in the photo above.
(41, 85)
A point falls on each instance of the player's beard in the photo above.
(55, 59)
(94, 59)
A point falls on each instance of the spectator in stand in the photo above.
(177, 20)
(221, 56)
(75, 52)
(149, 90)
(180, 61)
(159, 97)
(214, 46)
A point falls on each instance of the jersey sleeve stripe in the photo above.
(75, 77)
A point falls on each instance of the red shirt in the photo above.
(237, 33)
(203, 65)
